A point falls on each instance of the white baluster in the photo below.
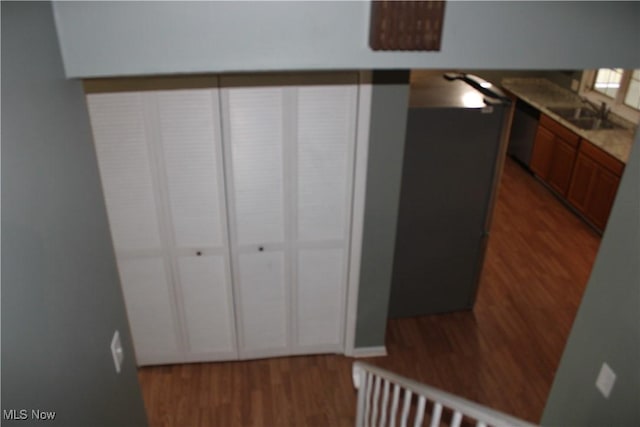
(376, 397)
(420, 411)
(457, 419)
(437, 413)
(394, 405)
(374, 386)
(405, 408)
(385, 403)
(357, 374)
(360, 381)
(367, 407)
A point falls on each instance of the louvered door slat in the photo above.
(325, 139)
(189, 134)
(120, 138)
(256, 144)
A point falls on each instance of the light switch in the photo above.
(116, 351)
(605, 381)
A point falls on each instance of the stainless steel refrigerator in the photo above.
(457, 131)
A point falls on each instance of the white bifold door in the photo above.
(230, 214)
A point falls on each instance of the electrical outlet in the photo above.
(606, 380)
(116, 351)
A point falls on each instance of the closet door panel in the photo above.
(264, 302)
(255, 116)
(325, 141)
(207, 304)
(118, 125)
(320, 289)
(148, 299)
(190, 138)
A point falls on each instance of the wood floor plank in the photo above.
(503, 354)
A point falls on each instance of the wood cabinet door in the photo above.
(543, 149)
(584, 172)
(601, 197)
(561, 168)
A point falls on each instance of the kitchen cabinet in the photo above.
(542, 154)
(554, 154)
(594, 183)
(229, 209)
(580, 172)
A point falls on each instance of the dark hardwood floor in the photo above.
(503, 354)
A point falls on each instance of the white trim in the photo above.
(377, 351)
(365, 89)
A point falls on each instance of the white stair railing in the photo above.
(378, 405)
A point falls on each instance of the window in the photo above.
(618, 87)
(632, 99)
(608, 81)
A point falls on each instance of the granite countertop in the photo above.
(543, 94)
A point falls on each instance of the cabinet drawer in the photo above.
(559, 130)
(604, 159)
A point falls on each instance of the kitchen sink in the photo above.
(574, 112)
(592, 123)
(584, 118)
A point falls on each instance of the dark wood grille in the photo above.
(406, 25)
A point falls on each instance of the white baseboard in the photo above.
(378, 351)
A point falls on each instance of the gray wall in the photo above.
(61, 298)
(607, 326)
(389, 102)
(121, 38)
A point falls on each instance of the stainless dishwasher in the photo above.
(523, 132)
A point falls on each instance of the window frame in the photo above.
(617, 104)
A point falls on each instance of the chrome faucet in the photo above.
(602, 111)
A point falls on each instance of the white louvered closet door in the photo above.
(325, 143)
(188, 132)
(289, 167)
(255, 180)
(161, 163)
(274, 153)
(127, 168)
